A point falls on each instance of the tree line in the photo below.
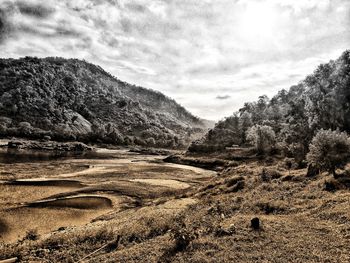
(310, 119)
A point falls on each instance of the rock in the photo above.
(50, 146)
(287, 178)
(14, 144)
(225, 231)
(233, 180)
(46, 138)
(231, 228)
(235, 188)
(255, 223)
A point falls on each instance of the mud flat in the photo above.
(164, 182)
(71, 191)
(45, 182)
(80, 202)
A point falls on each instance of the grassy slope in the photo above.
(301, 222)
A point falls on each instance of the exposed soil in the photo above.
(49, 193)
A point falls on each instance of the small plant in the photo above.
(332, 185)
(182, 235)
(183, 238)
(32, 234)
(288, 163)
(264, 176)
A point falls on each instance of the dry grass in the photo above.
(300, 222)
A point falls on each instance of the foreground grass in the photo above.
(300, 222)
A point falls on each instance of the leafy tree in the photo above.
(150, 141)
(329, 150)
(262, 137)
(245, 122)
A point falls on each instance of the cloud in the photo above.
(37, 10)
(190, 50)
(3, 24)
(224, 97)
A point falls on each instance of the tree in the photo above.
(262, 137)
(245, 122)
(329, 150)
(150, 141)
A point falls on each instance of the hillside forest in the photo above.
(315, 112)
(70, 99)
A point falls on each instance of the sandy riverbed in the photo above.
(51, 193)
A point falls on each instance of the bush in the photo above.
(267, 175)
(329, 150)
(31, 234)
(233, 180)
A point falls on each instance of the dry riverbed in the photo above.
(45, 193)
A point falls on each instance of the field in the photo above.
(118, 206)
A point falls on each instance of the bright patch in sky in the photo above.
(209, 55)
(257, 21)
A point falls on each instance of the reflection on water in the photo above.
(19, 156)
(10, 155)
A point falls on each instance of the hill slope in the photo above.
(73, 99)
(321, 101)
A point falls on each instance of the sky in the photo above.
(211, 56)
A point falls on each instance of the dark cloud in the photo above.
(136, 7)
(126, 25)
(293, 76)
(223, 97)
(221, 67)
(2, 23)
(5, 26)
(49, 31)
(36, 10)
(254, 75)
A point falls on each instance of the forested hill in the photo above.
(69, 99)
(290, 118)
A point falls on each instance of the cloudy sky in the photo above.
(209, 55)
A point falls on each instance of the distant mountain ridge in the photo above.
(70, 99)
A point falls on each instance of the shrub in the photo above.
(233, 180)
(267, 175)
(329, 150)
(32, 234)
(332, 185)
